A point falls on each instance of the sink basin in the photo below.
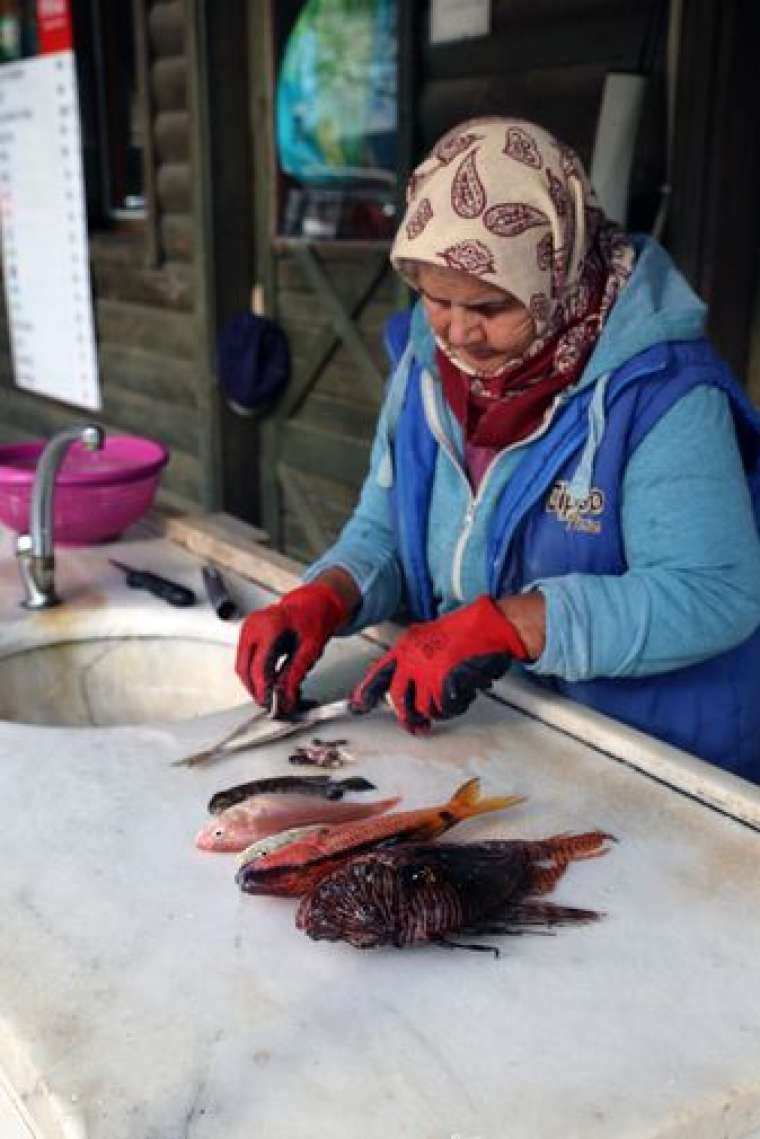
(111, 680)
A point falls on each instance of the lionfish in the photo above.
(430, 892)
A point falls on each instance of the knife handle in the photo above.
(160, 587)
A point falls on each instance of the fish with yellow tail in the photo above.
(296, 867)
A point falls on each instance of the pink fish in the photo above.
(261, 815)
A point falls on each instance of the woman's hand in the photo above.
(298, 627)
(435, 670)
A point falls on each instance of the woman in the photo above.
(564, 474)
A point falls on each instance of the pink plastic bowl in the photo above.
(97, 493)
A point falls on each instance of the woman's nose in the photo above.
(463, 327)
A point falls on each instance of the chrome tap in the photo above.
(35, 550)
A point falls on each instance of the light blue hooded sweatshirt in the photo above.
(692, 588)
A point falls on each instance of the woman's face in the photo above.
(480, 324)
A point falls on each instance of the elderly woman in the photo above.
(564, 474)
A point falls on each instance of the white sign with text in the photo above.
(44, 231)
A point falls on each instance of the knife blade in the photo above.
(267, 730)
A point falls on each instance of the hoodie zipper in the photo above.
(473, 500)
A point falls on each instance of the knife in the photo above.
(158, 586)
(267, 730)
(216, 591)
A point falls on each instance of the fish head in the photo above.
(284, 882)
(298, 853)
(357, 903)
(273, 842)
(222, 835)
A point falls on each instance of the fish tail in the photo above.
(565, 848)
(527, 917)
(466, 801)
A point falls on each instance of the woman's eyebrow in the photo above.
(466, 304)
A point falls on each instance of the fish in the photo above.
(419, 893)
(274, 841)
(238, 826)
(293, 869)
(322, 785)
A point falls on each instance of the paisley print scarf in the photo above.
(504, 201)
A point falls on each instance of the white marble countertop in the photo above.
(142, 996)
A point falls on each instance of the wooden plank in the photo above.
(124, 412)
(233, 545)
(171, 131)
(177, 236)
(564, 100)
(161, 332)
(369, 373)
(324, 453)
(167, 24)
(172, 286)
(169, 83)
(137, 414)
(174, 187)
(271, 507)
(118, 247)
(299, 315)
(612, 36)
(313, 364)
(183, 476)
(322, 413)
(348, 276)
(303, 508)
(145, 111)
(165, 379)
(41, 418)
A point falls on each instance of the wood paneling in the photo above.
(168, 81)
(177, 236)
(172, 136)
(171, 334)
(172, 286)
(167, 24)
(174, 186)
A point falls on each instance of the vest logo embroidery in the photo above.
(580, 515)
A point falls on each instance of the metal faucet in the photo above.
(34, 550)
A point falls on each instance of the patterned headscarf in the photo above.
(503, 200)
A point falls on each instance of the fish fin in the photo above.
(466, 800)
(524, 917)
(446, 943)
(565, 848)
(356, 783)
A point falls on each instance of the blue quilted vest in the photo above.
(710, 709)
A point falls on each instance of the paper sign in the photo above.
(43, 220)
(459, 19)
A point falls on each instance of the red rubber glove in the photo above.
(298, 627)
(435, 670)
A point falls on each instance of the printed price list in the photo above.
(44, 231)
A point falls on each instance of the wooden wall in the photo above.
(324, 429)
(144, 284)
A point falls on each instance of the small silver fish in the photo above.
(275, 841)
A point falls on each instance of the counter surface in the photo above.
(142, 996)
